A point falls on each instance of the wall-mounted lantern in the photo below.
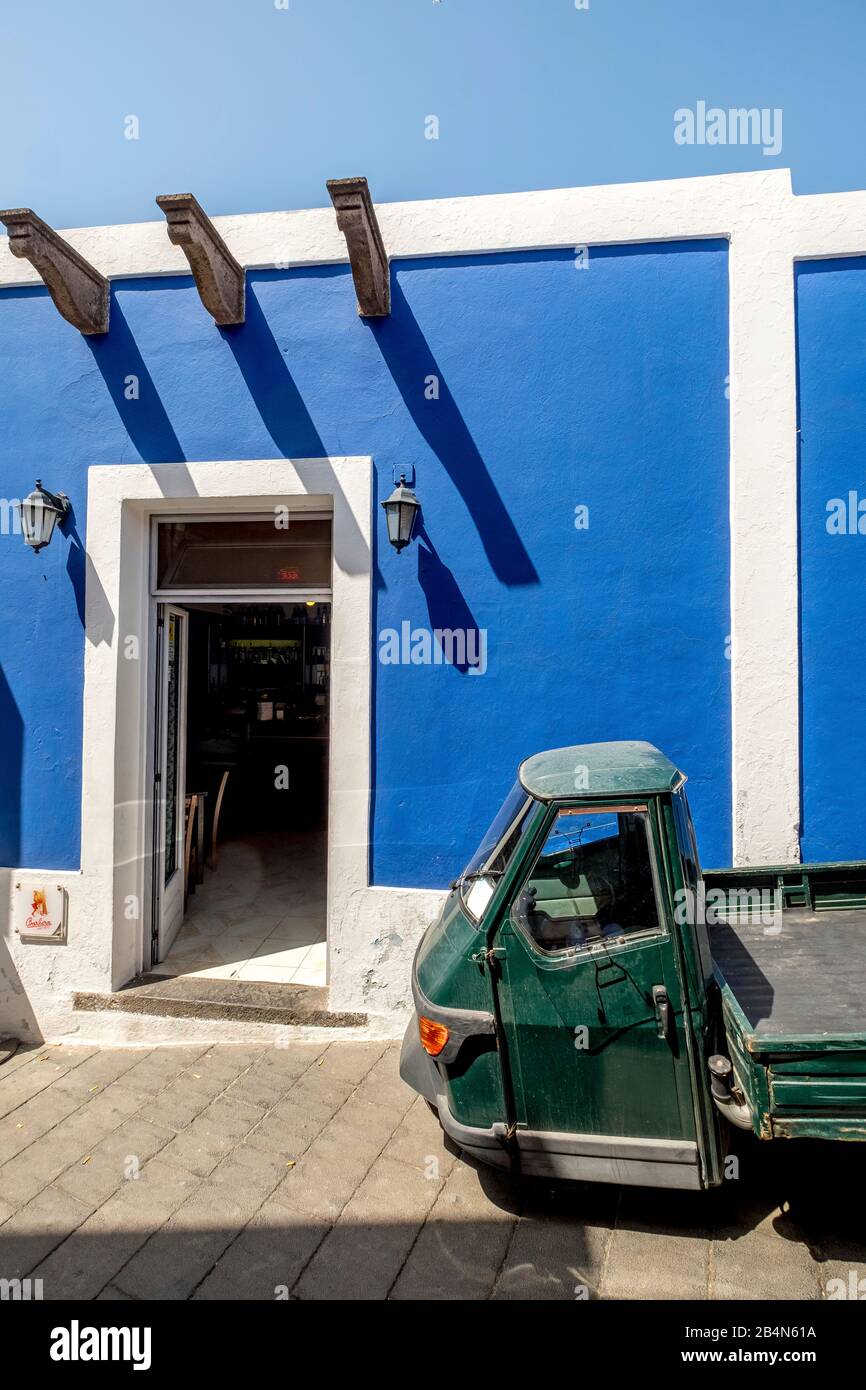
(40, 513)
(401, 510)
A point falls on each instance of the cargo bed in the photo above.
(808, 981)
(789, 955)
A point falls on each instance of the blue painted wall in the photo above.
(831, 335)
(558, 388)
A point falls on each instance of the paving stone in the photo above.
(382, 1085)
(198, 1148)
(234, 1119)
(350, 1061)
(206, 1076)
(101, 1172)
(153, 1196)
(20, 1085)
(104, 1243)
(364, 1252)
(178, 1105)
(461, 1248)
(655, 1264)
(83, 1264)
(757, 1266)
(267, 1257)
(324, 1178)
(554, 1259)
(363, 1128)
(208, 1085)
(290, 1112)
(42, 1162)
(232, 1059)
(290, 1062)
(258, 1088)
(53, 1147)
(254, 1172)
(34, 1118)
(106, 1110)
(97, 1072)
(33, 1231)
(26, 1052)
(419, 1141)
(317, 1092)
(110, 1292)
(158, 1068)
(287, 1135)
(292, 1055)
(664, 1210)
(172, 1263)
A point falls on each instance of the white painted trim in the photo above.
(665, 210)
(765, 668)
(117, 770)
(723, 205)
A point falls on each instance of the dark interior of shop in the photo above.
(257, 708)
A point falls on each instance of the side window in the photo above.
(592, 881)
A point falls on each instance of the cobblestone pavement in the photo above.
(311, 1172)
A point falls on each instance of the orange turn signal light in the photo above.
(433, 1036)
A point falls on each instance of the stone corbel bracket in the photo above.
(356, 219)
(80, 292)
(219, 278)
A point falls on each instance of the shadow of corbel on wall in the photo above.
(271, 384)
(134, 393)
(410, 362)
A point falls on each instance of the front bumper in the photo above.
(578, 1157)
(417, 1068)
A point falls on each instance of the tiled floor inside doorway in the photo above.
(260, 916)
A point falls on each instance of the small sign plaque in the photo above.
(39, 911)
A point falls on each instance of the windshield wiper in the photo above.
(477, 873)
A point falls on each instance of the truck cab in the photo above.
(589, 1005)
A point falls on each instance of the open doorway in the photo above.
(241, 753)
(246, 724)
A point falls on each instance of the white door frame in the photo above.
(119, 674)
(168, 898)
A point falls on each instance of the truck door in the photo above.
(591, 1005)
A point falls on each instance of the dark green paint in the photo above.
(598, 770)
(629, 1080)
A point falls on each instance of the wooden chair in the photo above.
(191, 817)
(216, 818)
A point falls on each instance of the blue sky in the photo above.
(252, 107)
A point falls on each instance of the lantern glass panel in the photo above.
(37, 521)
(407, 513)
(392, 514)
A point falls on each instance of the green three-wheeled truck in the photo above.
(590, 1005)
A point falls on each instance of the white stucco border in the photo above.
(768, 228)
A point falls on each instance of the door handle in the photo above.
(664, 1012)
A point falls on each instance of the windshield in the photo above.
(488, 863)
